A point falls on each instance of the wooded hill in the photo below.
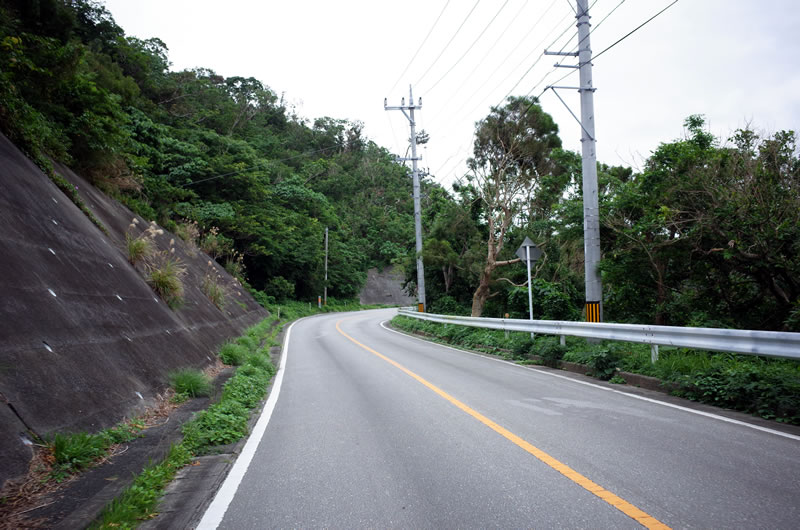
(706, 234)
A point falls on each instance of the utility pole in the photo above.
(415, 173)
(326, 266)
(591, 204)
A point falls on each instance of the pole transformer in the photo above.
(591, 208)
(415, 174)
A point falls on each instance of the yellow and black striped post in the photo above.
(420, 308)
(593, 312)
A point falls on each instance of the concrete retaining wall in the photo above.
(85, 341)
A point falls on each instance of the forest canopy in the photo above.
(707, 233)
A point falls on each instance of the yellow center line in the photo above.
(646, 520)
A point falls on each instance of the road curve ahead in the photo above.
(375, 429)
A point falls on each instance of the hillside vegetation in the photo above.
(220, 160)
(707, 233)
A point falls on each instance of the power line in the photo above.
(470, 46)
(448, 42)
(503, 62)
(637, 28)
(527, 57)
(420, 47)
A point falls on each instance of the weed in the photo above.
(215, 244)
(222, 423)
(165, 279)
(138, 249)
(233, 354)
(617, 380)
(190, 382)
(139, 500)
(188, 231)
(75, 452)
(248, 341)
(211, 286)
(550, 350)
(235, 266)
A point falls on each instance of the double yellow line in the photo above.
(646, 520)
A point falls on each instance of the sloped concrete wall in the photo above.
(385, 287)
(84, 341)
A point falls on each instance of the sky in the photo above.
(735, 61)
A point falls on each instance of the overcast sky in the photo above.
(735, 61)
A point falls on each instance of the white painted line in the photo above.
(587, 383)
(216, 510)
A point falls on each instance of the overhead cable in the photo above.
(420, 47)
(448, 42)
(430, 89)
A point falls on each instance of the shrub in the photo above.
(247, 387)
(603, 363)
(279, 288)
(248, 341)
(233, 354)
(191, 382)
(220, 424)
(521, 346)
(550, 350)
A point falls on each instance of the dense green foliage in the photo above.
(225, 153)
(706, 234)
(769, 388)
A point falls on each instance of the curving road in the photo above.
(372, 428)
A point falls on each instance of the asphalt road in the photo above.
(376, 429)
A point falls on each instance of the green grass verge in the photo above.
(762, 386)
(224, 422)
(75, 452)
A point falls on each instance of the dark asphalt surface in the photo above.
(356, 442)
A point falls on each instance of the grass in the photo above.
(75, 452)
(138, 249)
(190, 382)
(165, 279)
(222, 423)
(233, 354)
(139, 501)
(213, 290)
(765, 387)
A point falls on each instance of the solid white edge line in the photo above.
(216, 510)
(634, 396)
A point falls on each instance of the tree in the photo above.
(511, 156)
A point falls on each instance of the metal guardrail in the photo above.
(769, 343)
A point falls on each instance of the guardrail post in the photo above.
(563, 340)
(653, 353)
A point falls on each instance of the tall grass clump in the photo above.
(189, 382)
(233, 354)
(166, 279)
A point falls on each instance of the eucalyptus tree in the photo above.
(512, 154)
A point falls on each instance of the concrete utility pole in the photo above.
(326, 266)
(415, 172)
(591, 205)
(591, 208)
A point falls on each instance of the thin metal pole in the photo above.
(591, 209)
(530, 286)
(326, 266)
